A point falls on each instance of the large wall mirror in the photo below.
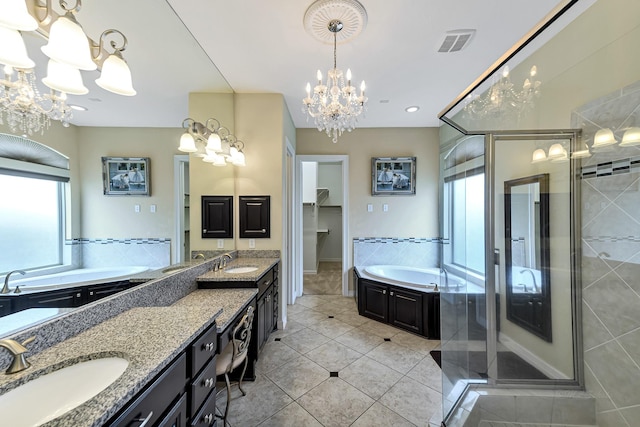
(528, 296)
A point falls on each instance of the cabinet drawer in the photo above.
(157, 397)
(203, 349)
(177, 416)
(264, 282)
(206, 417)
(204, 384)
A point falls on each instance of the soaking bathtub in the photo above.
(73, 278)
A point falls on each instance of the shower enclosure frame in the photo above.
(573, 136)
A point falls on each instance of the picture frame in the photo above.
(393, 176)
(126, 176)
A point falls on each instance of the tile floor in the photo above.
(332, 367)
(328, 280)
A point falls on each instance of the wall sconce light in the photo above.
(603, 138)
(631, 137)
(212, 142)
(69, 50)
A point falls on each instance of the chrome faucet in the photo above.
(5, 288)
(533, 277)
(225, 257)
(446, 278)
(17, 350)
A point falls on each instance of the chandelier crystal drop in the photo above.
(24, 108)
(503, 98)
(336, 105)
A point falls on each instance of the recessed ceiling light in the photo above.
(412, 109)
(77, 107)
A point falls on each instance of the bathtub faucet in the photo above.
(533, 277)
(5, 288)
(446, 278)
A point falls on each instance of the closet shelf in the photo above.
(321, 195)
(323, 231)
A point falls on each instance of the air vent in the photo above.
(456, 40)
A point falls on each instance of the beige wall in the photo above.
(114, 216)
(204, 178)
(408, 216)
(262, 121)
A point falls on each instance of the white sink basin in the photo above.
(52, 395)
(236, 270)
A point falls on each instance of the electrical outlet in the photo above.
(136, 208)
(369, 207)
(385, 208)
(220, 243)
(252, 243)
(152, 208)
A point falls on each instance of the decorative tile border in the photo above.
(396, 240)
(612, 167)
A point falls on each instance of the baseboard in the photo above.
(310, 272)
(331, 260)
(282, 324)
(531, 358)
(351, 294)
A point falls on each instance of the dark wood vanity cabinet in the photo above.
(6, 306)
(157, 398)
(63, 298)
(183, 394)
(405, 309)
(96, 292)
(267, 306)
(413, 311)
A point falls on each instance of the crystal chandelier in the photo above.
(214, 143)
(502, 98)
(334, 106)
(69, 50)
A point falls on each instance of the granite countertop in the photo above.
(148, 275)
(159, 335)
(233, 301)
(263, 265)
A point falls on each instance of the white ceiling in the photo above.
(262, 46)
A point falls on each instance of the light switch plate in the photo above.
(385, 208)
(152, 208)
(136, 208)
(220, 243)
(252, 243)
(369, 207)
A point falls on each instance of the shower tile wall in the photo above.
(611, 262)
(152, 253)
(408, 252)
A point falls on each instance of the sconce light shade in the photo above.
(16, 17)
(238, 159)
(631, 137)
(69, 44)
(538, 156)
(219, 161)
(116, 76)
(556, 151)
(64, 78)
(13, 51)
(603, 138)
(214, 143)
(561, 158)
(187, 143)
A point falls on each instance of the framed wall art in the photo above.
(126, 176)
(393, 176)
